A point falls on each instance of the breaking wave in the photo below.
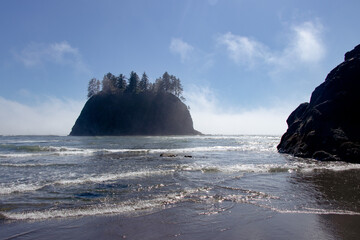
(25, 165)
(114, 175)
(101, 209)
(270, 168)
(28, 187)
(32, 151)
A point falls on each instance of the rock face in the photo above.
(328, 128)
(134, 114)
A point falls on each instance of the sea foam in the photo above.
(93, 178)
(125, 207)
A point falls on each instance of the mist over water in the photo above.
(46, 177)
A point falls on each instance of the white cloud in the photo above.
(210, 117)
(58, 51)
(193, 57)
(51, 116)
(243, 49)
(305, 46)
(178, 46)
(307, 42)
(36, 54)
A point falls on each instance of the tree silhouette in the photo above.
(176, 86)
(133, 86)
(144, 83)
(93, 87)
(165, 86)
(118, 85)
(121, 83)
(109, 83)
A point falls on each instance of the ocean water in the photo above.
(63, 177)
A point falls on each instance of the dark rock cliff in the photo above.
(328, 127)
(134, 114)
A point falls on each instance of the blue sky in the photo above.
(245, 65)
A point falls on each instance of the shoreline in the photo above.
(241, 221)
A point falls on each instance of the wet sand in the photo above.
(241, 221)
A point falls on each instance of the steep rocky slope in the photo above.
(328, 127)
(134, 114)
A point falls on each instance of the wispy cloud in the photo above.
(38, 54)
(191, 56)
(307, 44)
(243, 49)
(50, 116)
(304, 46)
(178, 46)
(211, 117)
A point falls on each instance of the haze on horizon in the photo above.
(244, 65)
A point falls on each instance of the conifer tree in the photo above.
(108, 83)
(166, 82)
(133, 86)
(121, 83)
(117, 85)
(93, 87)
(176, 86)
(157, 85)
(112, 81)
(144, 83)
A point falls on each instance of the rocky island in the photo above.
(134, 108)
(328, 127)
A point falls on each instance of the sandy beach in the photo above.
(241, 221)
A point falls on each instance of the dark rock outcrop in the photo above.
(328, 127)
(169, 155)
(134, 114)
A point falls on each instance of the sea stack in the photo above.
(328, 127)
(147, 113)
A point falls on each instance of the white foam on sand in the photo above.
(315, 211)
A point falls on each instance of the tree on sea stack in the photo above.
(176, 87)
(121, 83)
(109, 83)
(93, 87)
(165, 86)
(136, 108)
(133, 86)
(144, 83)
